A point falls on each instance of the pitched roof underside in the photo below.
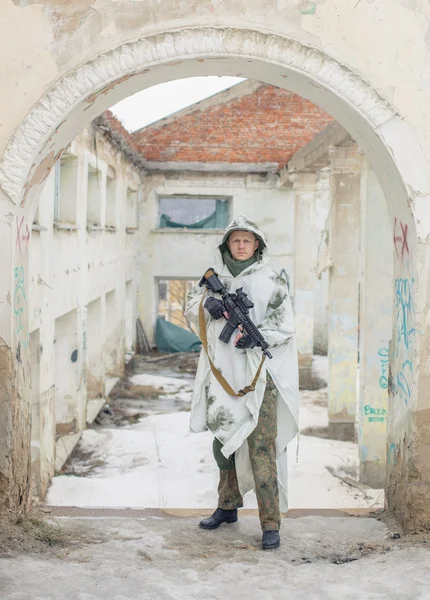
(251, 123)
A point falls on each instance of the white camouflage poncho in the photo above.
(232, 419)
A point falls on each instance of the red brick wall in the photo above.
(117, 127)
(267, 125)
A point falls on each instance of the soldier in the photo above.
(251, 432)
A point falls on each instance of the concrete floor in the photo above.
(160, 555)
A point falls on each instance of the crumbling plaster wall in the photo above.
(173, 254)
(40, 42)
(68, 269)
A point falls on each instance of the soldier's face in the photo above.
(242, 244)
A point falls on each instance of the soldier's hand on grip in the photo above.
(214, 307)
(245, 341)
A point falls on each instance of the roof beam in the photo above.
(216, 167)
(314, 156)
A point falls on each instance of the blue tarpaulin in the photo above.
(171, 338)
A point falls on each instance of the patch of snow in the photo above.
(170, 384)
(159, 463)
(172, 559)
(181, 388)
(313, 409)
(320, 366)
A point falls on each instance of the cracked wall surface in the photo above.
(55, 36)
(364, 62)
(92, 87)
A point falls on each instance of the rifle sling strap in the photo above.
(221, 380)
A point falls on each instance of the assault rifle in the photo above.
(237, 306)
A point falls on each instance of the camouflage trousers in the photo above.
(262, 454)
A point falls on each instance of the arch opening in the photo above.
(81, 96)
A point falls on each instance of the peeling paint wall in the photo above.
(74, 268)
(55, 36)
(323, 50)
(173, 254)
(323, 198)
(376, 309)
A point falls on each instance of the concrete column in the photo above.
(322, 213)
(95, 370)
(376, 305)
(147, 284)
(304, 264)
(35, 411)
(130, 315)
(113, 317)
(80, 367)
(15, 392)
(43, 348)
(67, 405)
(407, 483)
(128, 241)
(343, 291)
(47, 398)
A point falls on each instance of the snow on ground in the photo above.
(181, 387)
(158, 463)
(320, 366)
(313, 412)
(170, 558)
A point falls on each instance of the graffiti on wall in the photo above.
(404, 329)
(19, 307)
(391, 454)
(384, 361)
(405, 311)
(400, 379)
(22, 235)
(400, 238)
(375, 415)
(404, 379)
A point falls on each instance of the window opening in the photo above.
(172, 301)
(196, 212)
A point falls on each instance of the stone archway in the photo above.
(78, 97)
(86, 92)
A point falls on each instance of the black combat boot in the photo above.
(271, 540)
(219, 517)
